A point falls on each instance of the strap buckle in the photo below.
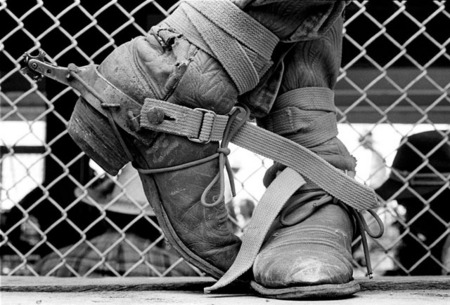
(206, 126)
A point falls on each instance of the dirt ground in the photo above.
(128, 291)
(435, 297)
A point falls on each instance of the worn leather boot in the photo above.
(179, 72)
(176, 63)
(308, 252)
(166, 65)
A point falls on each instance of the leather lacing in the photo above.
(222, 152)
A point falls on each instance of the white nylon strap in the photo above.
(273, 200)
(306, 116)
(293, 119)
(287, 152)
(307, 98)
(241, 44)
(239, 25)
(304, 161)
(199, 125)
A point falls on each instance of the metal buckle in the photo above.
(201, 131)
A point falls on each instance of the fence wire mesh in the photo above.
(55, 203)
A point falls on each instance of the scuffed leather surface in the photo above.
(205, 231)
(166, 66)
(307, 253)
(181, 74)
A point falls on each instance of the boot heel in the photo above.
(92, 133)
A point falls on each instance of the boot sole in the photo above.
(325, 291)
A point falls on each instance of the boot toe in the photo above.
(301, 268)
(320, 269)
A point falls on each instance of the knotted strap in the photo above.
(241, 44)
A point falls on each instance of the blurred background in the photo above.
(55, 202)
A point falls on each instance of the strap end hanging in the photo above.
(273, 200)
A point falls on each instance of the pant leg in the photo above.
(312, 253)
(305, 99)
(293, 21)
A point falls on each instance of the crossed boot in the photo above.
(308, 252)
(125, 115)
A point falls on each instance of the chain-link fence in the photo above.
(55, 203)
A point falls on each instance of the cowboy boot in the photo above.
(166, 66)
(308, 252)
(195, 90)
(142, 69)
(177, 63)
